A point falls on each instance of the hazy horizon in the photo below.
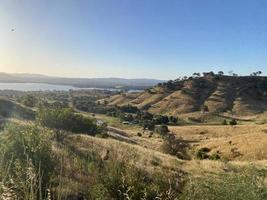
(132, 39)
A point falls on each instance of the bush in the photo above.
(233, 122)
(203, 153)
(224, 122)
(162, 129)
(215, 156)
(149, 125)
(174, 146)
(29, 100)
(66, 119)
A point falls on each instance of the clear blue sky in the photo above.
(132, 38)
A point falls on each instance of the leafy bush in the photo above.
(162, 129)
(29, 100)
(149, 125)
(232, 122)
(174, 146)
(224, 122)
(66, 119)
(215, 156)
(203, 153)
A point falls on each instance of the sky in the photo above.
(161, 39)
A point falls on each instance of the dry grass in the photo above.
(144, 158)
(241, 142)
(152, 160)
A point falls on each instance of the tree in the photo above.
(211, 73)
(159, 119)
(220, 73)
(224, 122)
(173, 120)
(258, 73)
(149, 125)
(196, 74)
(162, 129)
(233, 122)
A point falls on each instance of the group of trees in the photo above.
(232, 122)
(133, 115)
(66, 119)
(258, 73)
(31, 100)
(171, 84)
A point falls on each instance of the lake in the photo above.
(45, 87)
(34, 87)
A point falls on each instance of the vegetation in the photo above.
(26, 162)
(66, 119)
(247, 184)
(31, 170)
(232, 122)
(81, 146)
(209, 94)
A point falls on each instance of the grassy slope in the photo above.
(240, 95)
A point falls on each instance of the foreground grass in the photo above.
(247, 183)
(38, 163)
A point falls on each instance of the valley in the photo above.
(99, 144)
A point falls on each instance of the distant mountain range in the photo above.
(80, 82)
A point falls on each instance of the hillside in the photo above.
(240, 96)
(66, 153)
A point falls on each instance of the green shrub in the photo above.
(66, 119)
(202, 153)
(162, 129)
(232, 122)
(215, 156)
(175, 146)
(29, 100)
(224, 122)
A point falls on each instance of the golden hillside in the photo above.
(211, 93)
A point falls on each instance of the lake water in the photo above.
(34, 87)
(45, 87)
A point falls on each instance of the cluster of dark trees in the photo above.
(89, 104)
(31, 100)
(172, 84)
(133, 115)
(232, 122)
(258, 73)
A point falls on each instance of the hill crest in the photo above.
(243, 95)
